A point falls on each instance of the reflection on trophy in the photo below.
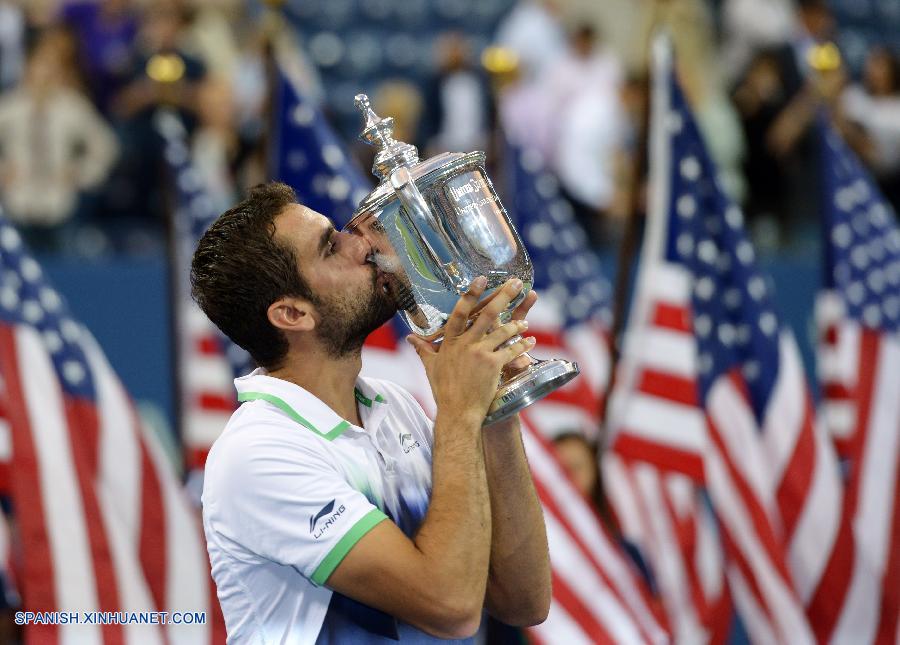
(435, 226)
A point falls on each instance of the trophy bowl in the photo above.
(435, 226)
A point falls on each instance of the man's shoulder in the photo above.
(256, 429)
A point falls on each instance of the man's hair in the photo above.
(240, 268)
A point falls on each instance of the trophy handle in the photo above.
(422, 219)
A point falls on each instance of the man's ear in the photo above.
(292, 314)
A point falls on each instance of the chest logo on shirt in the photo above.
(407, 443)
(329, 514)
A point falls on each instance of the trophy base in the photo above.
(533, 384)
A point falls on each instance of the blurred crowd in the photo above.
(83, 82)
(757, 72)
(81, 166)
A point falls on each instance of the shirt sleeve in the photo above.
(283, 500)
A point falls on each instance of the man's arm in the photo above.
(437, 580)
(518, 590)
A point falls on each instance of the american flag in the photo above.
(715, 386)
(100, 515)
(307, 155)
(597, 594)
(653, 465)
(859, 354)
(572, 317)
(207, 396)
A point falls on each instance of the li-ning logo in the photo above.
(472, 186)
(407, 442)
(330, 515)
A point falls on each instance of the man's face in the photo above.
(349, 294)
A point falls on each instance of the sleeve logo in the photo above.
(330, 516)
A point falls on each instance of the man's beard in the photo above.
(346, 321)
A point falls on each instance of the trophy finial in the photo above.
(376, 132)
(362, 102)
(379, 133)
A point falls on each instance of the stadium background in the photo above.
(105, 246)
(112, 265)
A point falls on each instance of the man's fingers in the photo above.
(525, 306)
(513, 351)
(423, 348)
(456, 323)
(503, 333)
(517, 364)
(498, 304)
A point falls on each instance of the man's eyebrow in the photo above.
(326, 236)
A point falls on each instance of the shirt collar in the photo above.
(305, 408)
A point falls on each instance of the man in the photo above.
(779, 99)
(334, 511)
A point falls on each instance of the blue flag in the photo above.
(308, 156)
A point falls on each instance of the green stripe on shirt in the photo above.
(332, 434)
(343, 546)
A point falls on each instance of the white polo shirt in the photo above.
(290, 487)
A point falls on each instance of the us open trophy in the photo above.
(435, 226)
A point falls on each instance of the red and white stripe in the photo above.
(663, 515)
(859, 597)
(577, 405)
(654, 467)
(207, 390)
(743, 496)
(107, 527)
(595, 585)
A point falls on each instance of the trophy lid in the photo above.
(378, 133)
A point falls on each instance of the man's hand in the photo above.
(465, 369)
(521, 362)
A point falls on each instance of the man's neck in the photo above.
(331, 380)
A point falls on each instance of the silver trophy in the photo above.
(435, 226)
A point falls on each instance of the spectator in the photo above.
(53, 143)
(591, 134)
(164, 73)
(698, 65)
(578, 456)
(580, 459)
(457, 101)
(751, 26)
(778, 100)
(210, 35)
(106, 32)
(873, 107)
(523, 111)
(164, 76)
(760, 98)
(12, 44)
(584, 109)
(215, 144)
(533, 31)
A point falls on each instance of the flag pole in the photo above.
(630, 239)
(174, 292)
